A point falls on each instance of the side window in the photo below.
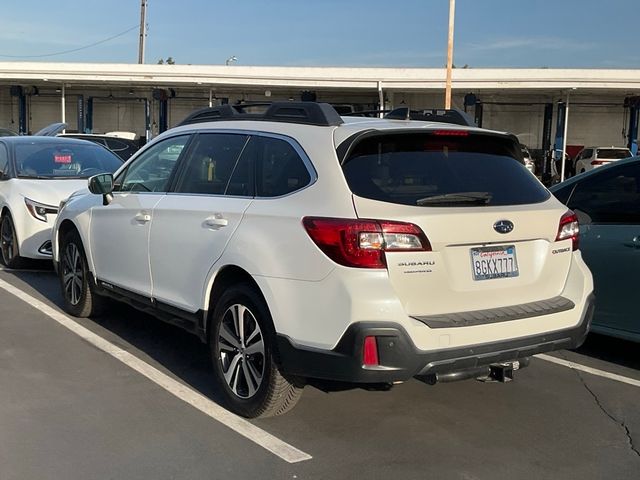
(611, 197)
(587, 153)
(151, 171)
(211, 162)
(241, 183)
(4, 159)
(279, 170)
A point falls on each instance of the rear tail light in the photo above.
(595, 163)
(451, 133)
(569, 229)
(370, 352)
(363, 243)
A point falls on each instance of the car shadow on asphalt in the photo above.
(183, 355)
(165, 346)
(612, 350)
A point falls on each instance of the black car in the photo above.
(607, 203)
(122, 147)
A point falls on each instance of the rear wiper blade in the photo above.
(461, 197)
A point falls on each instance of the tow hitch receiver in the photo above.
(501, 372)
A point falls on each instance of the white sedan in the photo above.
(36, 174)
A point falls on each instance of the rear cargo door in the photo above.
(491, 225)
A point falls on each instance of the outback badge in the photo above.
(503, 226)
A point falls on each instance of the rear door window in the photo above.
(441, 169)
(280, 169)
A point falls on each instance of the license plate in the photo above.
(494, 262)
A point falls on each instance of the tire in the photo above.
(582, 170)
(80, 300)
(9, 243)
(243, 356)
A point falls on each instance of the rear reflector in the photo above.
(599, 162)
(362, 243)
(569, 229)
(370, 352)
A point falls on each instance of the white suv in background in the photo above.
(592, 157)
(300, 244)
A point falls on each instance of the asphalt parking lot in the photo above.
(70, 410)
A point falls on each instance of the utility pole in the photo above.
(452, 14)
(143, 30)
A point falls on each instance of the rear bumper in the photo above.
(400, 360)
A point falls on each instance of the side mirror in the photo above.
(102, 185)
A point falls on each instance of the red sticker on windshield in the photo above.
(62, 158)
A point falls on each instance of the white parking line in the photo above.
(241, 426)
(592, 371)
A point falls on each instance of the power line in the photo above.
(74, 49)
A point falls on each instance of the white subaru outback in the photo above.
(300, 244)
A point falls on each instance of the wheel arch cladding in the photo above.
(227, 276)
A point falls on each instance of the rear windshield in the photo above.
(616, 153)
(64, 160)
(438, 169)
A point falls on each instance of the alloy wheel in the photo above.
(72, 273)
(7, 239)
(242, 351)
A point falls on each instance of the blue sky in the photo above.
(411, 33)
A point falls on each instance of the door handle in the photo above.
(635, 243)
(216, 222)
(143, 217)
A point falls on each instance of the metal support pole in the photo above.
(478, 114)
(143, 32)
(89, 116)
(163, 115)
(210, 97)
(447, 94)
(22, 114)
(632, 140)
(147, 120)
(380, 99)
(63, 106)
(81, 113)
(546, 127)
(564, 138)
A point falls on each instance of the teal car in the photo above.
(607, 202)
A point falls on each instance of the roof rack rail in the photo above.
(453, 115)
(307, 113)
(367, 113)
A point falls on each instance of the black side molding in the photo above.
(495, 315)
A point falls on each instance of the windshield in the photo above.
(63, 160)
(438, 170)
(614, 153)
